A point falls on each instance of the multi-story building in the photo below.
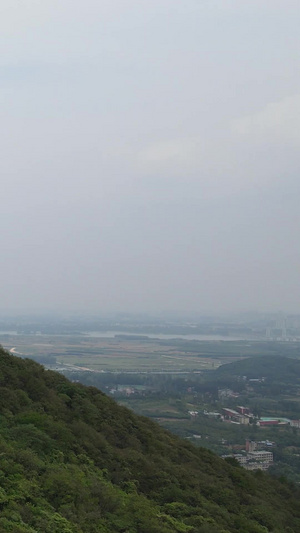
(255, 460)
(235, 416)
(260, 455)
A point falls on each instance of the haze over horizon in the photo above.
(150, 155)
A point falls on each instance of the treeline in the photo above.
(166, 384)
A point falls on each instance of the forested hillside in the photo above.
(274, 373)
(270, 367)
(73, 461)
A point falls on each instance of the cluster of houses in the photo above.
(243, 415)
(224, 394)
(123, 390)
(240, 415)
(254, 457)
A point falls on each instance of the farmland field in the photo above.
(130, 353)
(114, 354)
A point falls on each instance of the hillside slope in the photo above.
(273, 368)
(270, 366)
(73, 461)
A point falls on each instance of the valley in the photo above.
(185, 385)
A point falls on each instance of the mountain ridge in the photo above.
(73, 461)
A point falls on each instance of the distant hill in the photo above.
(271, 367)
(73, 461)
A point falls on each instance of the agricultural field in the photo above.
(114, 354)
(133, 353)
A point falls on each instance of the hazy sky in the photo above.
(150, 155)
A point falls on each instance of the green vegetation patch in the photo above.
(73, 461)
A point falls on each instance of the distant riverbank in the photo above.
(131, 335)
(161, 336)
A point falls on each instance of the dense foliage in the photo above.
(73, 461)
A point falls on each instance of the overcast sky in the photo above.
(150, 155)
